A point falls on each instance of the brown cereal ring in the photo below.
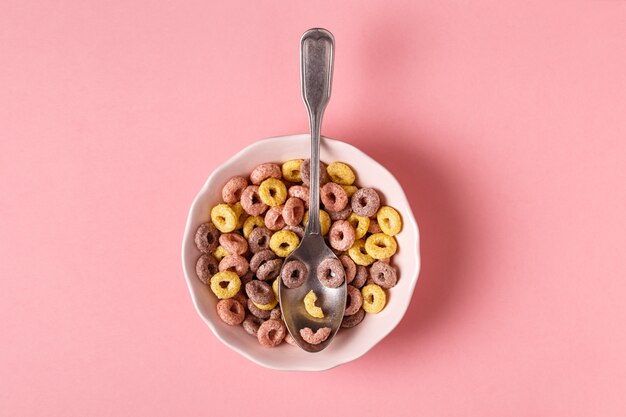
(317, 337)
(383, 274)
(341, 235)
(275, 314)
(340, 215)
(349, 266)
(290, 340)
(353, 320)
(330, 273)
(362, 274)
(263, 172)
(207, 237)
(294, 273)
(259, 292)
(298, 230)
(260, 258)
(251, 201)
(274, 218)
(234, 243)
(231, 193)
(374, 227)
(354, 301)
(271, 333)
(234, 262)
(333, 196)
(206, 267)
(241, 297)
(257, 312)
(365, 202)
(247, 277)
(251, 324)
(305, 172)
(231, 311)
(269, 270)
(251, 223)
(300, 191)
(259, 239)
(293, 211)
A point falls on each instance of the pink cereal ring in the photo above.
(234, 262)
(305, 172)
(317, 337)
(349, 266)
(290, 340)
(231, 193)
(293, 212)
(301, 192)
(365, 202)
(251, 324)
(274, 218)
(234, 243)
(374, 227)
(341, 235)
(354, 302)
(271, 333)
(265, 171)
(251, 201)
(231, 311)
(340, 215)
(333, 196)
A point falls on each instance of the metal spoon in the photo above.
(316, 70)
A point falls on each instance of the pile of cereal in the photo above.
(261, 221)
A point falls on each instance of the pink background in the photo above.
(506, 123)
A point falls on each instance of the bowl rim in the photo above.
(189, 275)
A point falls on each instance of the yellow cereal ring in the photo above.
(359, 255)
(374, 298)
(284, 242)
(273, 192)
(270, 306)
(360, 224)
(291, 170)
(341, 173)
(324, 221)
(220, 253)
(349, 189)
(224, 218)
(232, 287)
(250, 223)
(311, 308)
(241, 214)
(381, 246)
(389, 220)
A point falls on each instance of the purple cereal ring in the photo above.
(330, 273)
(353, 320)
(265, 171)
(317, 337)
(231, 193)
(269, 270)
(234, 243)
(251, 324)
(365, 202)
(275, 314)
(231, 311)
(362, 274)
(340, 215)
(293, 212)
(301, 192)
(274, 218)
(259, 239)
(349, 266)
(298, 230)
(383, 274)
(236, 263)
(241, 297)
(271, 333)
(251, 201)
(374, 227)
(305, 172)
(290, 340)
(206, 267)
(257, 312)
(247, 277)
(341, 235)
(260, 292)
(207, 237)
(354, 302)
(260, 258)
(294, 273)
(333, 196)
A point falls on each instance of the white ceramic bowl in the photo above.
(349, 344)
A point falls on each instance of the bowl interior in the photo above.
(349, 344)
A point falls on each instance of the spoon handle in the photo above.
(317, 48)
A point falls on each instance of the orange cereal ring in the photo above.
(231, 311)
(271, 333)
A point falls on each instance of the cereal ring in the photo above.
(362, 274)
(207, 237)
(275, 314)
(291, 170)
(267, 307)
(324, 221)
(374, 226)
(381, 246)
(353, 320)
(284, 242)
(349, 189)
(224, 218)
(354, 301)
(231, 311)
(330, 273)
(206, 267)
(220, 253)
(294, 273)
(333, 197)
(225, 284)
(269, 270)
(290, 340)
(360, 224)
(274, 218)
(241, 297)
(374, 298)
(251, 223)
(271, 333)
(305, 172)
(384, 275)
(341, 173)
(315, 338)
(231, 193)
(310, 307)
(365, 202)
(273, 192)
(251, 201)
(259, 292)
(301, 192)
(260, 258)
(342, 235)
(349, 266)
(359, 255)
(234, 262)
(293, 212)
(259, 239)
(242, 216)
(298, 230)
(234, 243)
(251, 324)
(247, 277)
(263, 172)
(340, 215)
(389, 220)
(257, 312)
